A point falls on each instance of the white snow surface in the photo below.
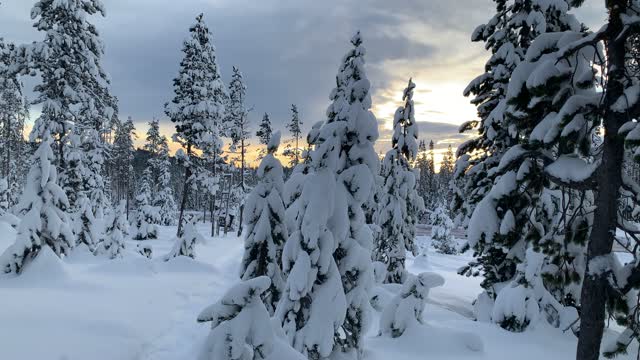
(88, 307)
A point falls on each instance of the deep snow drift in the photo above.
(88, 307)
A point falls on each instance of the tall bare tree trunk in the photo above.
(608, 180)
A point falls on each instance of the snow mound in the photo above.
(7, 235)
(81, 254)
(134, 266)
(45, 268)
(185, 264)
(438, 342)
(421, 262)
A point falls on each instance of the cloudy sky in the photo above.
(289, 52)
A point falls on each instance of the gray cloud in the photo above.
(288, 50)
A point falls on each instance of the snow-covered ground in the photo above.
(92, 308)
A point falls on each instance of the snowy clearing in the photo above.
(89, 307)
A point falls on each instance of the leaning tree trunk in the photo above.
(608, 180)
(185, 192)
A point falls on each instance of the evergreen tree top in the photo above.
(198, 107)
(405, 132)
(74, 85)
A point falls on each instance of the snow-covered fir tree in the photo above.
(113, 244)
(75, 180)
(4, 196)
(405, 310)
(185, 244)
(445, 176)
(558, 85)
(295, 127)
(13, 113)
(240, 326)
(85, 226)
(441, 225)
(239, 120)
(147, 215)
(264, 130)
(198, 106)
(45, 223)
(93, 155)
(159, 165)
(266, 231)
(395, 215)
(74, 85)
(122, 154)
(333, 241)
(423, 166)
(511, 202)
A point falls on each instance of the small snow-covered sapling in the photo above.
(405, 310)
(241, 328)
(145, 250)
(185, 244)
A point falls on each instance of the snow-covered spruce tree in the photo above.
(45, 222)
(557, 218)
(122, 162)
(240, 325)
(185, 244)
(147, 215)
(395, 215)
(74, 182)
(441, 237)
(294, 126)
(422, 164)
(13, 112)
(405, 310)
(74, 86)
(159, 165)
(85, 224)
(293, 201)
(239, 132)
(264, 130)
(198, 106)
(507, 37)
(560, 68)
(354, 161)
(266, 231)
(94, 150)
(333, 243)
(505, 199)
(445, 176)
(4, 196)
(113, 244)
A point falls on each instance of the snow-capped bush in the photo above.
(405, 310)
(45, 223)
(441, 238)
(240, 325)
(525, 299)
(145, 250)
(116, 226)
(379, 271)
(185, 244)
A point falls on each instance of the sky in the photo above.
(289, 52)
